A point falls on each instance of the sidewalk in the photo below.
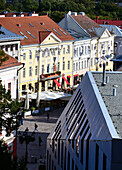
(44, 128)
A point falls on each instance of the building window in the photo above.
(68, 65)
(68, 49)
(6, 47)
(30, 55)
(58, 66)
(63, 65)
(43, 53)
(36, 53)
(23, 88)
(76, 66)
(48, 68)
(23, 72)
(36, 70)
(63, 50)
(73, 66)
(2, 47)
(30, 71)
(16, 46)
(24, 56)
(11, 47)
(9, 86)
(42, 69)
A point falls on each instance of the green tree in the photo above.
(3, 57)
(2, 4)
(9, 118)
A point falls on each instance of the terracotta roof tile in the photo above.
(33, 24)
(11, 62)
(86, 23)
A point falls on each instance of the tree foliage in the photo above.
(106, 9)
(9, 118)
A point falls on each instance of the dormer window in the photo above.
(19, 25)
(42, 23)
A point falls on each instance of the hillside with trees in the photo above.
(105, 9)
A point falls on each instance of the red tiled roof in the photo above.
(86, 23)
(116, 22)
(11, 62)
(39, 23)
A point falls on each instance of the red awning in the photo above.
(68, 76)
(66, 80)
(56, 82)
(76, 75)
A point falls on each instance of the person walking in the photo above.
(36, 126)
(47, 116)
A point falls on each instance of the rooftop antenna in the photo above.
(104, 74)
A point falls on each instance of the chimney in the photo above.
(104, 75)
(82, 13)
(97, 19)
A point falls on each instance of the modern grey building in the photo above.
(88, 134)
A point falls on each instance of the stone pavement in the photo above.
(44, 128)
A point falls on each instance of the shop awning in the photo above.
(76, 75)
(68, 76)
(56, 82)
(66, 80)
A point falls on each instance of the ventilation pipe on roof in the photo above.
(82, 13)
(74, 13)
(104, 67)
(114, 91)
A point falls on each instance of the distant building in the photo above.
(116, 22)
(46, 51)
(88, 134)
(9, 43)
(92, 46)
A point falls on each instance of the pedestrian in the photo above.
(40, 141)
(36, 126)
(47, 115)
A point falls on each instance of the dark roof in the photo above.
(113, 103)
(30, 26)
(43, 35)
(87, 23)
(7, 35)
(11, 62)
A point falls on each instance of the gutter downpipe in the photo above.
(17, 96)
